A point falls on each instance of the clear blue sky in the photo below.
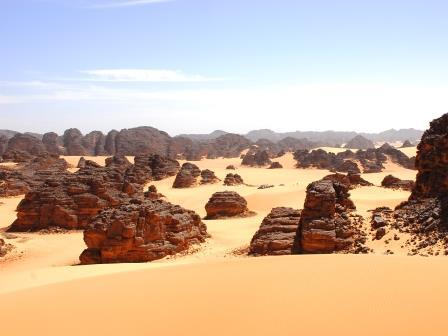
(197, 65)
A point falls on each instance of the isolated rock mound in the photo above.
(325, 226)
(407, 144)
(187, 176)
(233, 180)
(393, 182)
(141, 231)
(360, 142)
(208, 177)
(230, 167)
(276, 233)
(224, 204)
(275, 165)
(53, 143)
(4, 248)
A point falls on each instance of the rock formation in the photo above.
(360, 142)
(141, 231)
(23, 147)
(230, 167)
(53, 143)
(276, 233)
(224, 204)
(275, 165)
(233, 180)
(142, 141)
(209, 177)
(72, 140)
(325, 226)
(393, 182)
(256, 158)
(407, 144)
(4, 248)
(187, 176)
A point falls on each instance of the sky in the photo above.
(193, 66)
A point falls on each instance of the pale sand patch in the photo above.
(293, 295)
(8, 164)
(409, 151)
(8, 206)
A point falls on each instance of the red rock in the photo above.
(393, 182)
(141, 231)
(256, 158)
(275, 165)
(187, 176)
(276, 233)
(233, 179)
(209, 177)
(226, 204)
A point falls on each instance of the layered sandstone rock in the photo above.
(23, 147)
(324, 225)
(351, 180)
(53, 143)
(256, 158)
(187, 176)
(94, 143)
(208, 177)
(224, 204)
(233, 180)
(141, 231)
(142, 141)
(72, 140)
(393, 182)
(276, 233)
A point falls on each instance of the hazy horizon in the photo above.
(191, 66)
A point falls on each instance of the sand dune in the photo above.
(215, 285)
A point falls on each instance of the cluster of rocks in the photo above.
(276, 233)
(275, 165)
(393, 182)
(70, 200)
(370, 160)
(29, 174)
(256, 158)
(325, 225)
(233, 180)
(4, 248)
(189, 174)
(140, 231)
(223, 204)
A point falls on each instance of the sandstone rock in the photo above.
(233, 180)
(4, 248)
(81, 162)
(393, 182)
(407, 144)
(256, 158)
(276, 233)
(224, 204)
(360, 142)
(152, 193)
(227, 146)
(275, 165)
(53, 143)
(72, 140)
(142, 141)
(209, 177)
(141, 231)
(109, 144)
(23, 147)
(94, 143)
(230, 167)
(324, 225)
(187, 176)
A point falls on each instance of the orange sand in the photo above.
(215, 292)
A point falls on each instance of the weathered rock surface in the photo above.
(407, 144)
(276, 233)
(209, 177)
(4, 248)
(53, 143)
(325, 226)
(224, 204)
(72, 140)
(141, 231)
(393, 182)
(275, 165)
(360, 142)
(233, 180)
(256, 158)
(187, 176)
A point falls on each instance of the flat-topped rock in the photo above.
(141, 231)
(224, 204)
(276, 233)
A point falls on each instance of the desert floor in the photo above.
(216, 290)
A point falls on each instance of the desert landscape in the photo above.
(243, 252)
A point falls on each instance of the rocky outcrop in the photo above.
(350, 181)
(360, 142)
(70, 200)
(142, 141)
(224, 204)
(187, 176)
(325, 226)
(233, 180)
(53, 143)
(81, 162)
(276, 233)
(275, 165)
(141, 231)
(94, 143)
(256, 158)
(26, 176)
(23, 147)
(109, 143)
(209, 177)
(227, 146)
(407, 144)
(161, 167)
(230, 167)
(393, 182)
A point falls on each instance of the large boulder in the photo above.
(72, 140)
(208, 177)
(187, 176)
(142, 141)
(141, 231)
(276, 233)
(224, 204)
(393, 182)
